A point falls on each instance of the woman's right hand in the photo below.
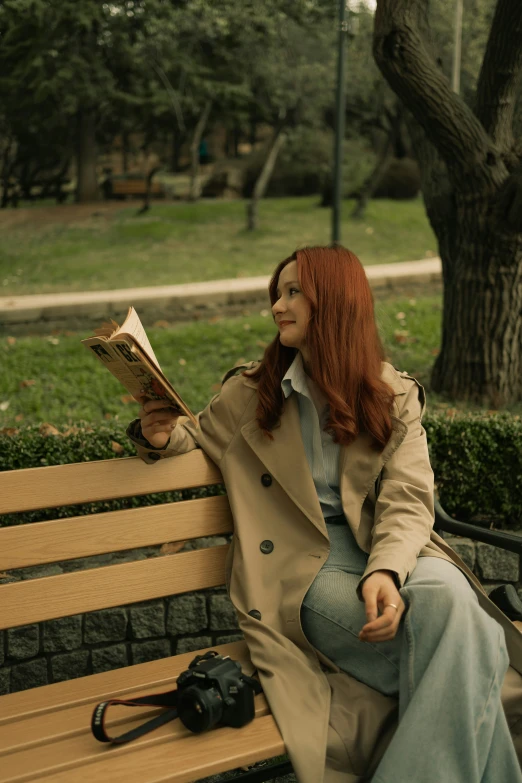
(157, 421)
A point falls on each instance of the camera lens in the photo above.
(200, 709)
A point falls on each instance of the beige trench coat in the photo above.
(334, 727)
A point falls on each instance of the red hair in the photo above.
(343, 344)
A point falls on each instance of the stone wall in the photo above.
(56, 650)
(70, 647)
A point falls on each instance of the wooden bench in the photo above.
(45, 732)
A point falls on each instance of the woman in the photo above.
(347, 599)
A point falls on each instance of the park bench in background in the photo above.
(116, 187)
(45, 732)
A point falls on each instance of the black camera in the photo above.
(214, 690)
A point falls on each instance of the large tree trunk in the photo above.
(195, 185)
(481, 350)
(86, 157)
(472, 186)
(261, 185)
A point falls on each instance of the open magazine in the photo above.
(127, 353)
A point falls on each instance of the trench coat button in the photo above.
(153, 455)
(255, 613)
(266, 547)
(266, 479)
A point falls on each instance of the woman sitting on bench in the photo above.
(335, 569)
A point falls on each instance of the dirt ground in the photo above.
(63, 213)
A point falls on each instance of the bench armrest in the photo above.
(499, 538)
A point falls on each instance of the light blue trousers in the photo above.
(446, 665)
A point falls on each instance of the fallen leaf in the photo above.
(182, 362)
(48, 429)
(11, 340)
(107, 416)
(9, 431)
(116, 447)
(24, 384)
(401, 336)
(400, 316)
(70, 431)
(127, 398)
(4, 405)
(19, 417)
(171, 547)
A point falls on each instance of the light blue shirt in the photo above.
(321, 451)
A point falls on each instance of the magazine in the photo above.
(127, 353)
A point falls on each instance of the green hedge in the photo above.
(477, 460)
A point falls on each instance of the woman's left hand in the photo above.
(379, 591)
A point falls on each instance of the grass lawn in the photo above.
(105, 246)
(54, 379)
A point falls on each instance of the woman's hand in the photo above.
(378, 591)
(157, 421)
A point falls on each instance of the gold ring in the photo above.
(394, 606)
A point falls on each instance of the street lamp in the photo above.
(340, 109)
(457, 47)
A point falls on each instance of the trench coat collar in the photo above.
(359, 466)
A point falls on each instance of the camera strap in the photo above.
(168, 699)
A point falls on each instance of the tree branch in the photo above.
(500, 74)
(402, 54)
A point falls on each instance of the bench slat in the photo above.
(49, 734)
(85, 482)
(112, 531)
(68, 741)
(153, 675)
(99, 588)
(160, 756)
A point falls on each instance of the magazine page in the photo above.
(133, 369)
(133, 327)
(148, 377)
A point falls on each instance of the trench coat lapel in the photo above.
(285, 459)
(359, 467)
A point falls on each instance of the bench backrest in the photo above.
(61, 595)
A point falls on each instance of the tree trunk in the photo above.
(481, 349)
(194, 189)
(177, 143)
(125, 151)
(86, 157)
(472, 187)
(368, 188)
(261, 185)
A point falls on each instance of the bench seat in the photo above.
(45, 732)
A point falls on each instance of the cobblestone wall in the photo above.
(56, 650)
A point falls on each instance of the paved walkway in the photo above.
(179, 301)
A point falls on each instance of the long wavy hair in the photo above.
(343, 344)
